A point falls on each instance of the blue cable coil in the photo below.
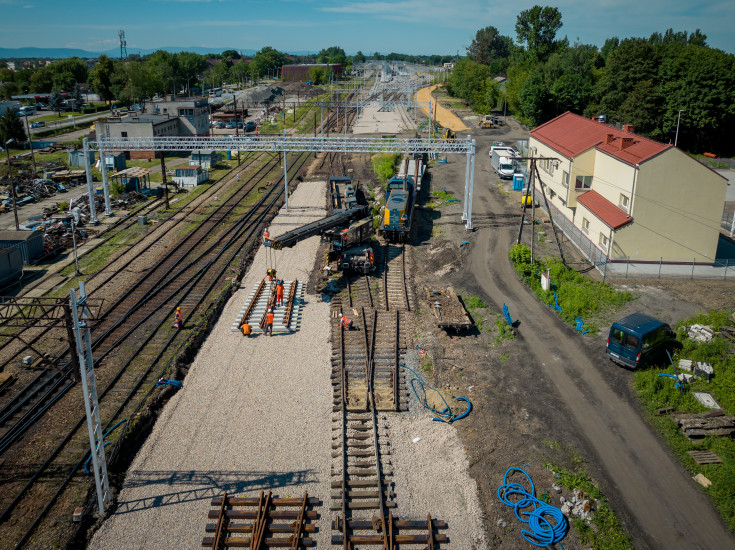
(444, 415)
(546, 524)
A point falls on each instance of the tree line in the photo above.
(641, 81)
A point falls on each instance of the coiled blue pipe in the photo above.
(446, 414)
(86, 463)
(530, 510)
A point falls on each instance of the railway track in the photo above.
(22, 409)
(125, 384)
(395, 288)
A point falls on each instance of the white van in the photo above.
(28, 110)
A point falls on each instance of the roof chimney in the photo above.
(628, 128)
(625, 142)
(609, 139)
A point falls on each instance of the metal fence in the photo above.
(653, 268)
(728, 223)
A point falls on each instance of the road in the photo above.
(63, 122)
(669, 508)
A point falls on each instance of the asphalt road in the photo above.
(669, 509)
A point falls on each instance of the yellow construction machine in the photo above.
(449, 134)
(486, 122)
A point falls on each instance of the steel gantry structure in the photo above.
(286, 144)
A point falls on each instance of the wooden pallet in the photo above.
(705, 457)
(267, 516)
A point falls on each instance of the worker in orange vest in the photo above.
(269, 323)
(178, 319)
(266, 236)
(279, 293)
(346, 323)
(246, 329)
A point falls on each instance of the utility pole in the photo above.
(237, 132)
(12, 185)
(30, 144)
(163, 173)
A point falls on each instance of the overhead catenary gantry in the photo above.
(288, 144)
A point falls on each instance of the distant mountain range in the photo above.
(62, 53)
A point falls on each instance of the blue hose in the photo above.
(167, 382)
(444, 415)
(86, 464)
(530, 510)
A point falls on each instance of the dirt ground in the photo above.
(534, 398)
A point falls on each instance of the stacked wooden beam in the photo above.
(700, 425)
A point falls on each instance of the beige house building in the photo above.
(627, 197)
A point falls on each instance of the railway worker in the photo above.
(266, 236)
(404, 220)
(178, 319)
(279, 293)
(346, 323)
(371, 257)
(246, 329)
(238, 178)
(269, 323)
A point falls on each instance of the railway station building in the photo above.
(620, 196)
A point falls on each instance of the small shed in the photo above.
(11, 266)
(30, 243)
(133, 178)
(190, 176)
(204, 158)
(115, 161)
(76, 158)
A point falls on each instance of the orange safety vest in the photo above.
(179, 317)
(266, 234)
(246, 329)
(269, 318)
(345, 321)
(279, 291)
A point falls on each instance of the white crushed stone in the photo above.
(245, 419)
(256, 413)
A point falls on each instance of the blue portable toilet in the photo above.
(517, 181)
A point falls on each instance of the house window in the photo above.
(123, 134)
(583, 183)
(551, 194)
(585, 225)
(624, 202)
(565, 178)
(603, 241)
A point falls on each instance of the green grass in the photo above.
(576, 294)
(656, 392)
(384, 165)
(605, 531)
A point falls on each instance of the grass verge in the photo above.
(657, 392)
(571, 292)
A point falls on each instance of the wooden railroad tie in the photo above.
(423, 536)
(269, 516)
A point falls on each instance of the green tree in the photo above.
(359, 57)
(333, 54)
(533, 99)
(63, 82)
(267, 60)
(164, 66)
(101, 78)
(239, 72)
(56, 102)
(489, 45)
(11, 127)
(191, 65)
(537, 28)
(42, 80)
(73, 65)
(231, 54)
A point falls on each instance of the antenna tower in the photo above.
(123, 44)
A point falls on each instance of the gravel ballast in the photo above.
(245, 420)
(256, 413)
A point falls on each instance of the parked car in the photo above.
(638, 340)
(38, 124)
(250, 126)
(230, 125)
(219, 124)
(239, 123)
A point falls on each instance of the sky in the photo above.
(402, 26)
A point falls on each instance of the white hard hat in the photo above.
(270, 311)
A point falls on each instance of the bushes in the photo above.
(575, 294)
(384, 166)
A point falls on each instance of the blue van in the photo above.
(639, 340)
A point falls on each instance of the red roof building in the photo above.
(621, 195)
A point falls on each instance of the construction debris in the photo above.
(703, 481)
(700, 333)
(705, 457)
(700, 425)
